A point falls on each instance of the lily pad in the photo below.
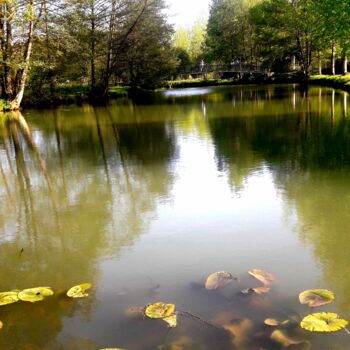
(263, 276)
(79, 291)
(259, 290)
(282, 338)
(7, 298)
(274, 323)
(33, 295)
(160, 310)
(316, 297)
(218, 280)
(323, 322)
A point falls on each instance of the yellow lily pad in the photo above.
(218, 280)
(316, 297)
(33, 295)
(79, 291)
(323, 322)
(160, 310)
(7, 298)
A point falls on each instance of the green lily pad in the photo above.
(33, 295)
(323, 322)
(218, 280)
(7, 298)
(79, 291)
(316, 297)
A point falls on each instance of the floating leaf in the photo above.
(316, 297)
(7, 298)
(323, 322)
(218, 280)
(261, 290)
(171, 320)
(79, 291)
(34, 294)
(271, 322)
(282, 338)
(274, 323)
(160, 310)
(263, 276)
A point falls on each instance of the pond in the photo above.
(145, 199)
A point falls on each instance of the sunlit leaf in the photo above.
(263, 276)
(316, 297)
(160, 310)
(282, 338)
(34, 294)
(1, 325)
(9, 297)
(218, 280)
(171, 320)
(79, 291)
(323, 322)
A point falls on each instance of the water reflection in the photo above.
(57, 223)
(145, 200)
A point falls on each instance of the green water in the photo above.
(145, 199)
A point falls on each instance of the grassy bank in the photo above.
(273, 78)
(67, 94)
(334, 81)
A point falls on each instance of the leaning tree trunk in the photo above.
(23, 74)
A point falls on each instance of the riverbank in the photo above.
(67, 94)
(272, 78)
(333, 81)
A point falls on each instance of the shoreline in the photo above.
(333, 81)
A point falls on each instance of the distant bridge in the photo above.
(232, 69)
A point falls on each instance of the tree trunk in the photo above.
(92, 47)
(319, 64)
(23, 74)
(345, 62)
(333, 59)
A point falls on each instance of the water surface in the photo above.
(145, 199)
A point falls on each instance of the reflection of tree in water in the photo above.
(96, 197)
(309, 157)
(273, 136)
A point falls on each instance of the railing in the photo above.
(221, 68)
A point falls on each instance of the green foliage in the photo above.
(189, 44)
